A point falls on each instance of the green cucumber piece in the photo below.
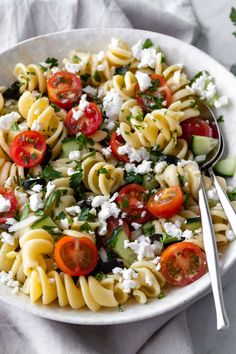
(44, 221)
(68, 146)
(202, 145)
(193, 223)
(226, 167)
(116, 242)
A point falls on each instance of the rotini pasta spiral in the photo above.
(31, 77)
(118, 53)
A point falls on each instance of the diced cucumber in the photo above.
(44, 221)
(116, 242)
(68, 146)
(202, 145)
(150, 182)
(226, 167)
(193, 223)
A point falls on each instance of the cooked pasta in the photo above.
(99, 178)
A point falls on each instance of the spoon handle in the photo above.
(225, 202)
(212, 259)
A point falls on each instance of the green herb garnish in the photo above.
(100, 276)
(85, 215)
(85, 227)
(147, 44)
(54, 198)
(97, 76)
(52, 62)
(56, 107)
(50, 173)
(220, 119)
(25, 212)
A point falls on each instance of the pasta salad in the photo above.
(99, 177)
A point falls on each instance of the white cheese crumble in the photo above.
(23, 126)
(135, 225)
(74, 155)
(90, 90)
(10, 221)
(144, 81)
(148, 58)
(107, 152)
(134, 154)
(36, 202)
(230, 235)
(37, 188)
(49, 188)
(173, 230)
(156, 261)
(101, 56)
(187, 234)
(148, 279)
(200, 158)
(159, 167)
(143, 247)
(141, 169)
(101, 67)
(183, 163)
(65, 223)
(212, 194)
(72, 67)
(5, 204)
(73, 210)
(78, 112)
(136, 50)
(128, 277)
(7, 238)
(70, 171)
(8, 280)
(36, 125)
(21, 197)
(112, 103)
(8, 120)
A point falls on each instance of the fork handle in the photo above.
(212, 259)
(225, 202)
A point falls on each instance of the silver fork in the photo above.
(207, 225)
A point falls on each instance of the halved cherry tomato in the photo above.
(64, 89)
(113, 224)
(76, 256)
(132, 201)
(8, 194)
(166, 202)
(182, 263)
(88, 124)
(195, 126)
(115, 143)
(28, 148)
(155, 96)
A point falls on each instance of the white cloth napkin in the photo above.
(22, 332)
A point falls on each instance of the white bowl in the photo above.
(57, 45)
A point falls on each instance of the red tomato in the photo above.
(8, 194)
(28, 149)
(132, 201)
(88, 124)
(113, 224)
(64, 89)
(154, 97)
(166, 202)
(182, 263)
(76, 256)
(195, 126)
(115, 143)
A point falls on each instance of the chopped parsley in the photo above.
(85, 227)
(85, 77)
(61, 216)
(122, 70)
(97, 76)
(15, 127)
(125, 203)
(52, 62)
(56, 107)
(161, 295)
(148, 228)
(181, 180)
(233, 18)
(82, 140)
(76, 178)
(76, 59)
(133, 177)
(54, 198)
(103, 170)
(220, 119)
(100, 276)
(85, 215)
(51, 174)
(232, 195)
(147, 44)
(166, 239)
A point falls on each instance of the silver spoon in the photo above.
(207, 225)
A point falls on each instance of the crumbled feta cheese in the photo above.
(200, 158)
(49, 188)
(134, 154)
(70, 171)
(112, 103)
(137, 49)
(148, 58)
(74, 68)
(230, 235)
(212, 194)
(99, 200)
(144, 81)
(183, 163)
(23, 126)
(173, 229)
(55, 69)
(103, 254)
(159, 167)
(8, 120)
(101, 67)
(37, 188)
(107, 210)
(107, 152)
(83, 103)
(143, 214)
(90, 90)
(8, 280)
(121, 222)
(10, 221)
(36, 202)
(187, 234)
(157, 197)
(7, 238)
(143, 247)
(65, 223)
(36, 125)
(141, 169)
(135, 225)
(73, 210)
(101, 56)
(5, 204)
(118, 131)
(128, 278)
(74, 155)
(221, 101)
(123, 215)
(109, 125)
(77, 114)
(21, 197)
(115, 41)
